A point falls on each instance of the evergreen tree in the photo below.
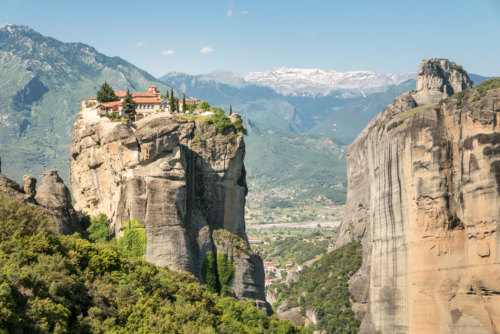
(177, 105)
(230, 110)
(184, 108)
(172, 100)
(167, 94)
(106, 94)
(128, 104)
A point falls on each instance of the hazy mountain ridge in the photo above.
(313, 82)
(41, 80)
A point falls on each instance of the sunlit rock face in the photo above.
(180, 179)
(424, 200)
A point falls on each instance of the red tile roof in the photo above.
(148, 100)
(120, 94)
(111, 104)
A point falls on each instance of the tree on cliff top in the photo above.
(128, 104)
(204, 105)
(106, 94)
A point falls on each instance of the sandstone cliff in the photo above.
(52, 196)
(423, 199)
(183, 181)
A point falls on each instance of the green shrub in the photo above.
(98, 229)
(394, 125)
(225, 269)
(238, 125)
(134, 239)
(204, 105)
(222, 122)
(209, 273)
(485, 86)
(217, 270)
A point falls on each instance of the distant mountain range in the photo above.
(338, 104)
(314, 82)
(295, 100)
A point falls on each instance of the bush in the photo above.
(98, 229)
(134, 240)
(485, 86)
(394, 125)
(204, 105)
(222, 122)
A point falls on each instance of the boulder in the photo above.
(284, 307)
(294, 316)
(292, 277)
(272, 296)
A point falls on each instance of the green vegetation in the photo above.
(204, 105)
(184, 106)
(411, 112)
(217, 270)
(485, 86)
(134, 240)
(230, 109)
(238, 125)
(128, 104)
(65, 284)
(172, 100)
(217, 109)
(191, 108)
(98, 230)
(295, 249)
(106, 94)
(326, 289)
(222, 122)
(394, 125)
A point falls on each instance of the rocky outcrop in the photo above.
(52, 196)
(284, 307)
(55, 198)
(312, 315)
(183, 181)
(291, 277)
(423, 199)
(439, 78)
(294, 316)
(271, 296)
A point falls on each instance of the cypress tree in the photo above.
(230, 110)
(106, 94)
(128, 104)
(167, 94)
(177, 105)
(184, 102)
(172, 100)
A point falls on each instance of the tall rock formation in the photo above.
(184, 182)
(423, 199)
(52, 196)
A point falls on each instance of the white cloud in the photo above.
(311, 35)
(230, 12)
(244, 12)
(206, 49)
(140, 44)
(168, 52)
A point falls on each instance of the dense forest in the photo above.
(65, 284)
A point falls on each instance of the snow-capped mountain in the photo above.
(295, 81)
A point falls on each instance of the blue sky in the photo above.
(380, 36)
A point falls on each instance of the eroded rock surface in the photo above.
(424, 200)
(52, 196)
(184, 182)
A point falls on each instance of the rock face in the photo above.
(423, 199)
(284, 307)
(271, 296)
(184, 182)
(52, 196)
(439, 78)
(292, 277)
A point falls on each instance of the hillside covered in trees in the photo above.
(65, 284)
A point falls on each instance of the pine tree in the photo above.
(230, 110)
(106, 94)
(128, 104)
(184, 102)
(172, 100)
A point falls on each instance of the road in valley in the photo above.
(310, 224)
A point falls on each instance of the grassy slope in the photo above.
(36, 132)
(280, 159)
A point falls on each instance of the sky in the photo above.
(197, 37)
